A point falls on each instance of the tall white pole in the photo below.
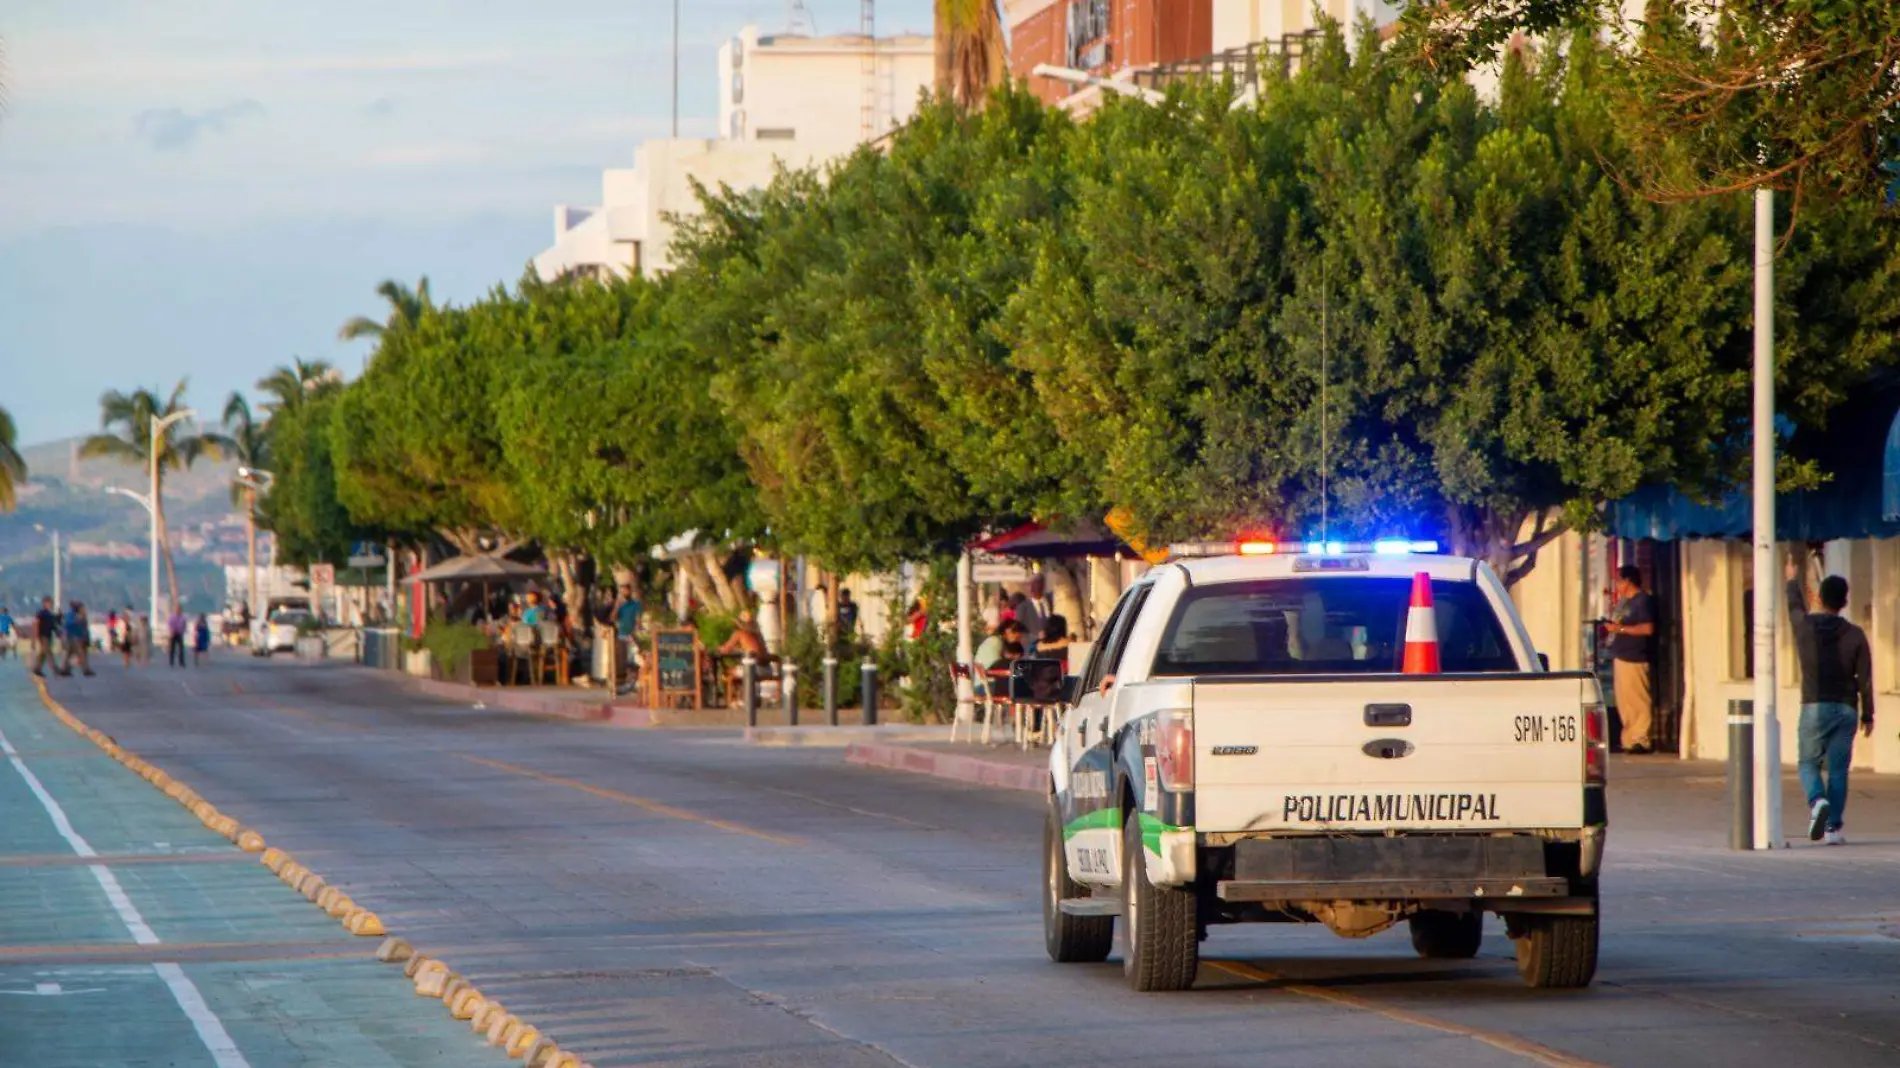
(59, 593)
(151, 457)
(1767, 725)
(966, 652)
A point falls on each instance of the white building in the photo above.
(1239, 23)
(784, 100)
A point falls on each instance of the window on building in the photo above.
(776, 133)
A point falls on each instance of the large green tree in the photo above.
(1720, 96)
(406, 308)
(289, 386)
(302, 508)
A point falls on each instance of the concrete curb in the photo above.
(846, 735)
(432, 977)
(956, 766)
(514, 700)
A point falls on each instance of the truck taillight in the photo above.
(1174, 749)
(1596, 738)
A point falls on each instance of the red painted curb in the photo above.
(957, 766)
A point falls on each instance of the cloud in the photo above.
(175, 129)
(380, 108)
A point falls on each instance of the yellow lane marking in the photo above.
(654, 807)
(1522, 1047)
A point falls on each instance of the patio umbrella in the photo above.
(478, 569)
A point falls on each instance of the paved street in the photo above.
(679, 897)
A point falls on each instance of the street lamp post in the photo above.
(257, 481)
(156, 503)
(58, 590)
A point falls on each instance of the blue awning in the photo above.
(1861, 500)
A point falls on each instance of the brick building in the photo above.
(1103, 36)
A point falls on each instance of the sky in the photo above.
(204, 189)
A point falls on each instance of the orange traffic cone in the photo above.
(1421, 630)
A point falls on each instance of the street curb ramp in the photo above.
(433, 978)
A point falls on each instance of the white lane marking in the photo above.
(211, 1032)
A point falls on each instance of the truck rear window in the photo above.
(1318, 626)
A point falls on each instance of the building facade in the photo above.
(785, 100)
(1104, 37)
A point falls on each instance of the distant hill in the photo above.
(105, 535)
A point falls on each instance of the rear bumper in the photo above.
(1505, 892)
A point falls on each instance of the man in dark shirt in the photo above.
(1837, 681)
(47, 636)
(1630, 633)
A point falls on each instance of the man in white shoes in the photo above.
(1837, 679)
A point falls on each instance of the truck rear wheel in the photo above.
(1069, 939)
(1447, 935)
(1557, 952)
(1161, 947)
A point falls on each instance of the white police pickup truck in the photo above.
(1245, 744)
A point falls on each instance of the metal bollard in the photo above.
(1741, 775)
(788, 691)
(869, 671)
(751, 685)
(831, 690)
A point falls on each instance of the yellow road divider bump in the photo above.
(325, 896)
(431, 980)
(498, 1026)
(563, 1059)
(524, 1037)
(452, 986)
(274, 859)
(481, 1021)
(340, 906)
(416, 962)
(394, 951)
(249, 840)
(366, 923)
(312, 885)
(466, 1003)
(225, 826)
(540, 1053)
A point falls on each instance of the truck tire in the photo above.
(1447, 935)
(1069, 939)
(1161, 947)
(1557, 952)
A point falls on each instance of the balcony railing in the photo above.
(1280, 56)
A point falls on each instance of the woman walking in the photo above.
(200, 640)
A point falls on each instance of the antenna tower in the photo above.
(798, 19)
(867, 107)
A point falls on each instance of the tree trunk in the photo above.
(698, 587)
(1067, 593)
(723, 596)
(1492, 536)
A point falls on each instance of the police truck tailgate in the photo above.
(1361, 753)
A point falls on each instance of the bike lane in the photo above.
(132, 935)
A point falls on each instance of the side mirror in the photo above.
(1071, 685)
(1543, 659)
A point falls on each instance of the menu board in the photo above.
(676, 662)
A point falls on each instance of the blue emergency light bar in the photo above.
(1382, 547)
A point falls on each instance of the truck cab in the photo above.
(1252, 741)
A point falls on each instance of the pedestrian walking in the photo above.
(175, 646)
(1837, 688)
(123, 629)
(847, 618)
(200, 640)
(47, 630)
(6, 631)
(1632, 627)
(78, 640)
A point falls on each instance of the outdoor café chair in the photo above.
(518, 646)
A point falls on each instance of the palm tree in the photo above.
(970, 59)
(12, 464)
(125, 420)
(248, 442)
(405, 309)
(290, 386)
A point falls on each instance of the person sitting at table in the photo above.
(535, 612)
(745, 641)
(1055, 640)
(993, 653)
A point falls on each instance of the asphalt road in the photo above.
(681, 898)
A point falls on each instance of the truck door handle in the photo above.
(1103, 726)
(1388, 715)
